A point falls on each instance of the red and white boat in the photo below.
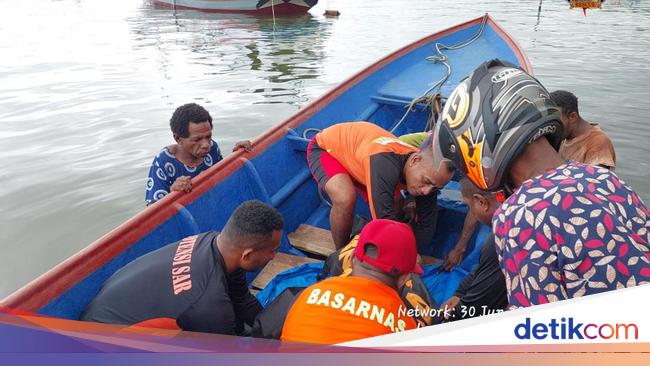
(277, 7)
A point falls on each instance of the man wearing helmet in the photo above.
(361, 156)
(567, 229)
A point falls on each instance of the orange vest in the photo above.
(353, 143)
(343, 309)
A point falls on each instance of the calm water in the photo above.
(87, 89)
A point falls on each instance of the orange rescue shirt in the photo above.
(353, 144)
(343, 309)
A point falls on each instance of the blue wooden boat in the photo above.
(276, 172)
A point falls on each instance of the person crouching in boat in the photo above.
(352, 156)
(198, 283)
(366, 302)
(567, 229)
(471, 223)
(194, 152)
(484, 290)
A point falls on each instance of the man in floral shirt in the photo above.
(575, 230)
(567, 229)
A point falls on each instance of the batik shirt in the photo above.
(574, 231)
(165, 169)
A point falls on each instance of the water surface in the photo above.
(87, 89)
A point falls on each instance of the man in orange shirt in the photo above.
(365, 303)
(352, 156)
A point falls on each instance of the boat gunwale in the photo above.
(65, 275)
(281, 9)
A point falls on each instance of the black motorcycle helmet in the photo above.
(489, 119)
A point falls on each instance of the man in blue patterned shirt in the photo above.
(194, 151)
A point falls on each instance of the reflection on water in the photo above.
(88, 88)
(282, 50)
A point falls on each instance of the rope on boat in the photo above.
(430, 99)
(307, 131)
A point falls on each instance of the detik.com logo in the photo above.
(568, 328)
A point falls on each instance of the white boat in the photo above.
(269, 7)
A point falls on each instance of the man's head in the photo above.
(490, 118)
(253, 234)
(191, 125)
(422, 174)
(568, 104)
(386, 251)
(481, 204)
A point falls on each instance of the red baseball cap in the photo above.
(396, 249)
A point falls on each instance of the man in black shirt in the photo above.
(198, 283)
(484, 290)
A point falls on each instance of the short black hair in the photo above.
(253, 218)
(468, 189)
(565, 100)
(185, 114)
(426, 150)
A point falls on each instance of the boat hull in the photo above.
(275, 7)
(276, 171)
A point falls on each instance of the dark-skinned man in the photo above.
(582, 141)
(198, 283)
(194, 152)
(484, 289)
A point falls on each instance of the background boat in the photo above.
(268, 7)
(276, 172)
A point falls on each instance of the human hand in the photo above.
(454, 257)
(182, 184)
(247, 145)
(409, 211)
(448, 305)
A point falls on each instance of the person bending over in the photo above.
(352, 156)
(366, 302)
(198, 283)
(567, 229)
(484, 289)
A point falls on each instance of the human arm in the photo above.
(455, 256)
(244, 303)
(382, 177)
(485, 287)
(601, 152)
(426, 220)
(182, 184)
(157, 183)
(449, 306)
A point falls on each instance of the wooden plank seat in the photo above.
(313, 240)
(280, 263)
